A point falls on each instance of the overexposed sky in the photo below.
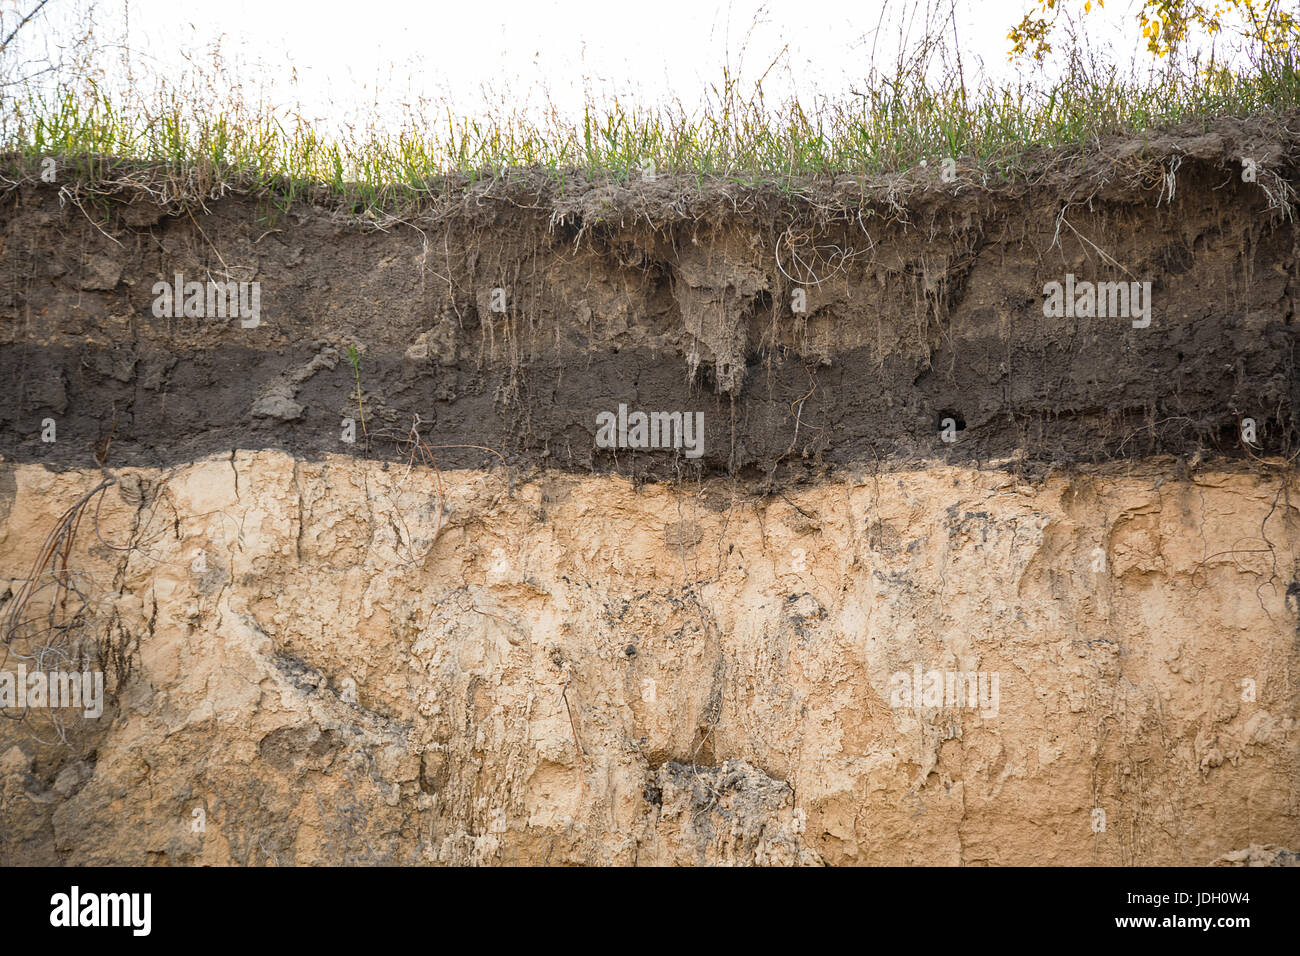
(361, 61)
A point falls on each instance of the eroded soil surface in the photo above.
(472, 634)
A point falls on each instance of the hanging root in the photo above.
(39, 628)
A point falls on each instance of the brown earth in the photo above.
(924, 300)
(509, 645)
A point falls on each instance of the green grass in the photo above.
(896, 123)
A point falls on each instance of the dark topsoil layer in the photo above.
(924, 301)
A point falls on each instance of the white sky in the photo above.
(375, 58)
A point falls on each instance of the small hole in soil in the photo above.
(1229, 435)
(941, 420)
